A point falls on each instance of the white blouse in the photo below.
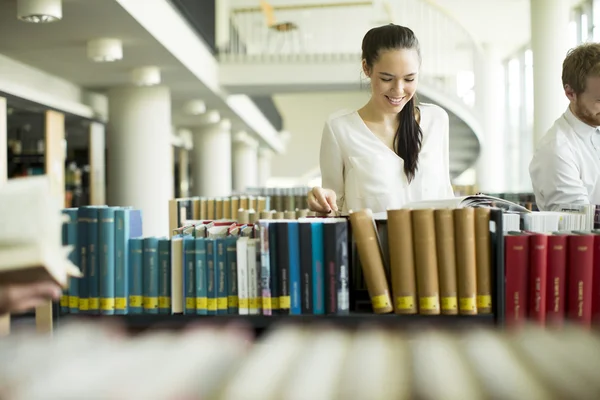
(365, 173)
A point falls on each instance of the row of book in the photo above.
(210, 208)
(436, 261)
(206, 267)
(552, 278)
(301, 362)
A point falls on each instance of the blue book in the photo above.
(200, 274)
(164, 283)
(318, 270)
(136, 262)
(211, 276)
(106, 259)
(294, 272)
(87, 243)
(189, 274)
(150, 276)
(222, 272)
(128, 224)
(232, 280)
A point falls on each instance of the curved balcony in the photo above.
(292, 46)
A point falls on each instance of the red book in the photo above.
(596, 280)
(516, 270)
(579, 273)
(556, 280)
(538, 259)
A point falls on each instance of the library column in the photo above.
(245, 162)
(489, 103)
(211, 162)
(264, 166)
(549, 45)
(140, 159)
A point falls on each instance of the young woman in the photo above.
(391, 151)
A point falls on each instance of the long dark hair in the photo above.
(408, 137)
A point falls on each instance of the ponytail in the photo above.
(408, 139)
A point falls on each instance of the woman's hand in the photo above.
(17, 298)
(322, 200)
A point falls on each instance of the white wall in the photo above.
(304, 115)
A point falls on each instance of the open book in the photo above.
(476, 200)
(30, 234)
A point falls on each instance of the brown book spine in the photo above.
(446, 258)
(483, 260)
(261, 203)
(203, 209)
(244, 203)
(289, 214)
(235, 206)
(369, 252)
(266, 214)
(402, 262)
(423, 226)
(278, 215)
(210, 208)
(466, 269)
(196, 208)
(243, 216)
(219, 208)
(226, 208)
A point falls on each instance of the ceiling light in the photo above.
(146, 76)
(105, 50)
(39, 11)
(195, 107)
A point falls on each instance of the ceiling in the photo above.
(60, 49)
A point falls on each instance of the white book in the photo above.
(242, 274)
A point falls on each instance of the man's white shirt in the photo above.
(565, 168)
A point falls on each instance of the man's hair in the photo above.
(581, 62)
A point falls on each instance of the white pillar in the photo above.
(549, 44)
(222, 24)
(489, 105)
(264, 166)
(140, 159)
(245, 162)
(211, 159)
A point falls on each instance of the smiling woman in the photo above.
(391, 151)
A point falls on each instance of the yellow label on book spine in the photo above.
(266, 303)
(232, 301)
(484, 301)
(201, 303)
(381, 301)
(243, 303)
(253, 303)
(73, 301)
(150, 302)
(405, 302)
(212, 305)
(94, 303)
(222, 303)
(64, 301)
(135, 301)
(107, 304)
(84, 304)
(284, 302)
(164, 302)
(275, 303)
(259, 302)
(468, 304)
(190, 302)
(429, 303)
(449, 303)
(120, 303)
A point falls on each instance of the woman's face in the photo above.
(394, 79)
